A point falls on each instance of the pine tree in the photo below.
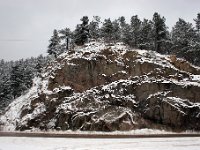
(66, 36)
(21, 77)
(197, 40)
(82, 32)
(5, 92)
(135, 31)
(4, 81)
(116, 31)
(184, 40)
(183, 34)
(16, 77)
(197, 23)
(146, 41)
(27, 75)
(122, 23)
(107, 30)
(196, 46)
(54, 46)
(94, 27)
(16, 81)
(125, 31)
(40, 63)
(159, 32)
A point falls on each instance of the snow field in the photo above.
(24, 143)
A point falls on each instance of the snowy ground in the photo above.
(25, 143)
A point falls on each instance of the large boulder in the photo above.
(108, 88)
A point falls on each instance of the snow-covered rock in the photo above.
(103, 87)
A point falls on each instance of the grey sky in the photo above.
(26, 25)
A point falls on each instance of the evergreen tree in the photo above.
(146, 41)
(197, 23)
(16, 77)
(66, 36)
(54, 46)
(82, 32)
(185, 42)
(135, 31)
(127, 35)
(27, 75)
(125, 31)
(5, 92)
(107, 30)
(183, 35)
(116, 31)
(197, 40)
(16, 81)
(21, 77)
(94, 27)
(122, 23)
(40, 63)
(159, 32)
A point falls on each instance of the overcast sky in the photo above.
(26, 25)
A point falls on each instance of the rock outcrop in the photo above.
(108, 88)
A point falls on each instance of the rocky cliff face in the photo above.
(110, 87)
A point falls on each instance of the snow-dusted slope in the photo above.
(110, 87)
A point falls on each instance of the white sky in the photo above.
(26, 25)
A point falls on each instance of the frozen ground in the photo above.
(24, 143)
